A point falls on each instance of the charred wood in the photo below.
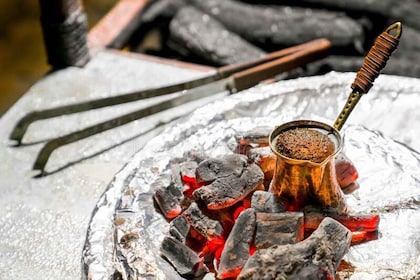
(179, 228)
(317, 257)
(238, 245)
(195, 33)
(168, 196)
(283, 26)
(394, 10)
(278, 229)
(263, 201)
(207, 227)
(226, 191)
(187, 262)
(215, 168)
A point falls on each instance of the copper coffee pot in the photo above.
(303, 182)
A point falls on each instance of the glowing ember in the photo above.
(221, 209)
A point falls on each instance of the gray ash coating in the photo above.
(304, 144)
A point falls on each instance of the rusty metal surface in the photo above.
(381, 138)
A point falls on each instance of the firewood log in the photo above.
(193, 32)
(283, 26)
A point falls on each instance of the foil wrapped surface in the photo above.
(380, 137)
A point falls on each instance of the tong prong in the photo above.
(222, 72)
(193, 94)
(223, 80)
(23, 124)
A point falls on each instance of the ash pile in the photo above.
(220, 32)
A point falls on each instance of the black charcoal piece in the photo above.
(283, 25)
(168, 198)
(263, 201)
(406, 10)
(187, 262)
(318, 256)
(211, 169)
(179, 228)
(237, 247)
(204, 225)
(226, 191)
(197, 33)
(278, 229)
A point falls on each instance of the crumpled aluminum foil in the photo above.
(380, 138)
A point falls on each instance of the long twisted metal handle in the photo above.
(372, 65)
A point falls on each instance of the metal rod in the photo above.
(222, 72)
(286, 63)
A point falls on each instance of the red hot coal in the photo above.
(223, 218)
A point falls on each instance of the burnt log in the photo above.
(278, 229)
(207, 227)
(215, 168)
(238, 245)
(263, 201)
(187, 262)
(227, 191)
(283, 26)
(317, 257)
(394, 10)
(194, 33)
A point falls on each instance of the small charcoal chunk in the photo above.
(179, 228)
(278, 229)
(215, 168)
(204, 225)
(168, 198)
(187, 262)
(263, 201)
(226, 191)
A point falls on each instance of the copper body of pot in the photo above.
(303, 182)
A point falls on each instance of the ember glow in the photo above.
(224, 213)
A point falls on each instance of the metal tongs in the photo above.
(233, 78)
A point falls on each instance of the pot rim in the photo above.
(329, 130)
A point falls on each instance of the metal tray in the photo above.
(380, 138)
